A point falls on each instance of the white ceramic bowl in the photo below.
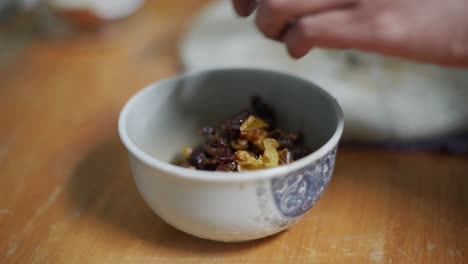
(163, 118)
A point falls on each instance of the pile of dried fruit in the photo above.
(247, 141)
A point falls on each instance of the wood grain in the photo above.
(67, 196)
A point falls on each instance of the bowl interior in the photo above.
(165, 117)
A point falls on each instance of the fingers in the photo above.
(303, 24)
(273, 16)
(244, 7)
(329, 30)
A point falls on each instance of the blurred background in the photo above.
(67, 67)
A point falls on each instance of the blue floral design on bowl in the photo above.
(297, 192)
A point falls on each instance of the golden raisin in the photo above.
(239, 144)
(252, 123)
(186, 152)
(255, 136)
(270, 157)
(247, 161)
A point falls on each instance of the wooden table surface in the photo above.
(67, 196)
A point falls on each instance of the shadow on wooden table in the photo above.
(102, 186)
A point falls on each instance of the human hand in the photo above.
(426, 30)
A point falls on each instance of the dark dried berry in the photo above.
(208, 131)
(209, 150)
(225, 158)
(300, 151)
(214, 152)
(230, 127)
(211, 163)
(218, 142)
(295, 137)
(231, 132)
(198, 159)
(284, 143)
(276, 134)
(227, 167)
(288, 141)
